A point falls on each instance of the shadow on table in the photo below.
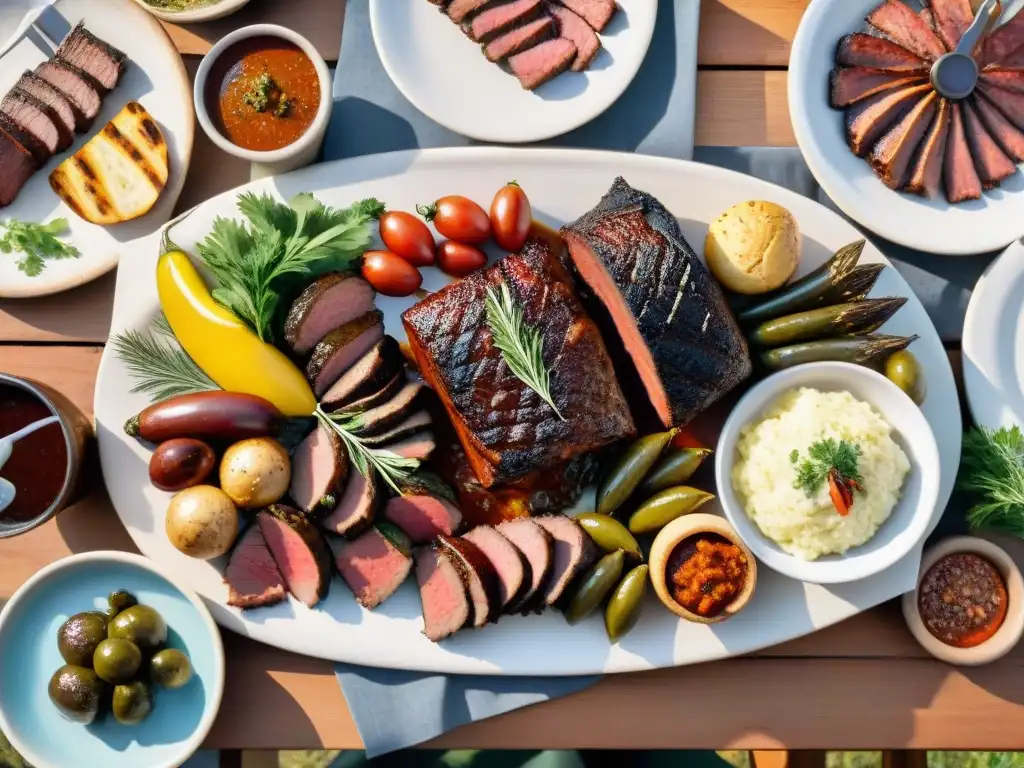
(56, 314)
(92, 524)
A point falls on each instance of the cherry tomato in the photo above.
(458, 218)
(408, 237)
(511, 217)
(459, 259)
(390, 274)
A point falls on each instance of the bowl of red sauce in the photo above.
(263, 94)
(968, 607)
(44, 466)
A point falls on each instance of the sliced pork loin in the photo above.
(357, 506)
(1009, 137)
(342, 348)
(381, 396)
(52, 97)
(893, 153)
(328, 303)
(494, 20)
(899, 21)
(959, 174)
(990, 161)
(90, 54)
(460, 10)
(536, 66)
(375, 565)
(514, 573)
(573, 27)
(377, 421)
(35, 118)
(417, 447)
(538, 547)
(573, 553)
(868, 120)
(926, 176)
(252, 576)
(421, 421)
(848, 85)
(862, 50)
(478, 574)
(82, 90)
(446, 606)
(299, 550)
(597, 13)
(40, 154)
(425, 510)
(16, 167)
(320, 467)
(369, 375)
(519, 39)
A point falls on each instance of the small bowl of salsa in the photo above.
(263, 94)
(43, 466)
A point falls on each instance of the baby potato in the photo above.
(754, 247)
(202, 522)
(255, 472)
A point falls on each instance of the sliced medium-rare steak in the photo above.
(90, 54)
(82, 90)
(892, 154)
(357, 506)
(417, 447)
(478, 575)
(990, 161)
(677, 340)
(1008, 136)
(1002, 42)
(379, 397)
(425, 510)
(862, 50)
(926, 175)
(320, 465)
(959, 175)
(538, 547)
(16, 167)
(868, 120)
(421, 421)
(597, 13)
(1010, 79)
(1011, 104)
(519, 39)
(384, 417)
(371, 373)
(511, 565)
(573, 27)
(460, 10)
(49, 95)
(252, 576)
(299, 550)
(505, 427)
(35, 118)
(375, 565)
(536, 66)
(899, 21)
(341, 349)
(952, 18)
(40, 154)
(497, 19)
(445, 600)
(573, 553)
(328, 303)
(848, 85)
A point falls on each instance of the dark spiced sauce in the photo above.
(39, 463)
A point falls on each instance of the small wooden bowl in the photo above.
(683, 528)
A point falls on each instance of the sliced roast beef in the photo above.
(929, 18)
(868, 121)
(40, 154)
(425, 510)
(16, 167)
(49, 95)
(417, 447)
(328, 303)
(926, 176)
(1008, 136)
(1010, 79)
(35, 118)
(460, 10)
(1011, 104)
(1012, 60)
(511, 565)
(538, 547)
(897, 20)
(574, 551)
(481, 580)
(90, 54)
(1002, 42)
(573, 27)
(891, 156)
(446, 606)
(381, 396)
(959, 175)
(952, 18)
(320, 466)
(358, 504)
(536, 66)
(252, 576)
(495, 20)
(597, 13)
(81, 89)
(421, 421)
(848, 85)
(299, 550)
(519, 39)
(990, 161)
(862, 50)
(375, 565)
(381, 419)
(342, 348)
(367, 377)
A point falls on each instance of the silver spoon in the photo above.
(6, 447)
(955, 75)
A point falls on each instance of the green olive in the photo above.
(132, 702)
(625, 604)
(674, 468)
(77, 692)
(662, 508)
(609, 534)
(117, 661)
(120, 601)
(141, 625)
(599, 581)
(170, 668)
(629, 471)
(78, 637)
(903, 370)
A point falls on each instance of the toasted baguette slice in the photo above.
(119, 175)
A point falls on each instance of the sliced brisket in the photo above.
(423, 515)
(538, 547)
(849, 85)
(952, 18)
(597, 13)
(1010, 103)
(374, 399)
(327, 304)
(1009, 137)
(375, 565)
(252, 576)
(862, 50)
(446, 606)
(16, 167)
(1010, 79)
(495, 20)
(868, 121)
(897, 20)
(34, 117)
(1002, 42)
(418, 447)
(519, 39)
(960, 177)
(573, 27)
(81, 89)
(891, 156)
(990, 161)
(536, 66)
(90, 54)
(52, 97)
(926, 176)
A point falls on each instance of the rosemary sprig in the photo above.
(521, 345)
(392, 467)
(160, 369)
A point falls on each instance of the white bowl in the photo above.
(215, 10)
(909, 521)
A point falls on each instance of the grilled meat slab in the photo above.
(898, 20)
(892, 154)
(961, 179)
(848, 85)
(926, 176)
(862, 50)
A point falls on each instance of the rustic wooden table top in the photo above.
(862, 684)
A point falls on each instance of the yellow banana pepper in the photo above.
(222, 345)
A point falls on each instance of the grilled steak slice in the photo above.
(1011, 104)
(573, 553)
(990, 161)
(371, 373)
(541, 63)
(90, 54)
(892, 154)
(16, 167)
(848, 85)
(897, 20)
(1002, 42)
(677, 340)
(926, 176)
(573, 27)
(328, 303)
(1010, 79)
(299, 550)
(1008, 136)
(423, 517)
(379, 397)
(481, 580)
(358, 504)
(446, 606)
(320, 466)
(519, 39)
(960, 177)
(495, 20)
(952, 18)
(49, 95)
(597, 13)
(418, 447)
(421, 421)
(381, 419)
(342, 348)
(870, 119)
(81, 89)
(511, 565)
(506, 429)
(538, 547)
(40, 154)
(862, 50)
(460, 10)
(37, 119)
(252, 576)
(375, 565)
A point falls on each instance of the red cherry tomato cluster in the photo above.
(465, 225)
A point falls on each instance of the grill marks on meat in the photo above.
(90, 54)
(1008, 136)
(849, 85)
(519, 39)
(328, 303)
(952, 18)
(862, 50)
(867, 121)
(16, 167)
(491, 22)
(543, 62)
(926, 176)
(897, 20)
(252, 576)
(505, 428)
(892, 155)
(991, 162)
(573, 27)
(959, 174)
(82, 90)
(1002, 42)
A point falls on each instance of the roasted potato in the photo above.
(754, 247)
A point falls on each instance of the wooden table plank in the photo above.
(750, 33)
(744, 108)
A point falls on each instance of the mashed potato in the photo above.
(808, 526)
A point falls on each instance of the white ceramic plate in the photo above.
(562, 184)
(157, 79)
(935, 226)
(443, 73)
(216, 9)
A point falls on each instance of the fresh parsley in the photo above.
(822, 457)
(38, 243)
(993, 468)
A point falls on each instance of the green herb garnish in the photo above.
(822, 457)
(161, 369)
(393, 468)
(178, 5)
(264, 93)
(993, 467)
(521, 345)
(38, 243)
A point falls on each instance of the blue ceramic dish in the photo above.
(180, 719)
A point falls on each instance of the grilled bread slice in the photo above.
(119, 175)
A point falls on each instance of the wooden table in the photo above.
(862, 684)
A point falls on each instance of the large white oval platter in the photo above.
(156, 78)
(562, 184)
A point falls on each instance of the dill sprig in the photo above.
(161, 369)
(993, 467)
(822, 456)
(394, 469)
